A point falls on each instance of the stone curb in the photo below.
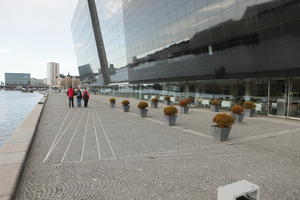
(14, 152)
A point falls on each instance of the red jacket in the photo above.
(70, 92)
(85, 95)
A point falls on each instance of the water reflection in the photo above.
(14, 107)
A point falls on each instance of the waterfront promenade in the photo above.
(103, 153)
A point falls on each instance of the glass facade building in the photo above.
(17, 79)
(234, 50)
(83, 37)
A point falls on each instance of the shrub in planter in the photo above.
(167, 99)
(170, 114)
(126, 106)
(142, 106)
(221, 130)
(249, 108)
(184, 105)
(154, 103)
(237, 111)
(112, 102)
(215, 105)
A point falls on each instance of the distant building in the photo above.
(37, 83)
(17, 79)
(52, 73)
(65, 82)
(45, 81)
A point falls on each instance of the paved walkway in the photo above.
(103, 153)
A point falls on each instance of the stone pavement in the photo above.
(103, 153)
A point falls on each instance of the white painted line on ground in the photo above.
(95, 131)
(76, 130)
(118, 109)
(133, 114)
(258, 137)
(105, 135)
(176, 127)
(193, 132)
(51, 149)
(155, 121)
(68, 125)
(59, 130)
(85, 130)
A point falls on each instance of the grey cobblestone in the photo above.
(154, 161)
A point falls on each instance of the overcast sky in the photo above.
(34, 32)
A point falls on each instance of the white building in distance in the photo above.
(52, 73)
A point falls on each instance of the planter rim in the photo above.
(170, 115)
(214, 125)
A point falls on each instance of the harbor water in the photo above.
(14, 107)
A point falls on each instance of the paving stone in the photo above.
(7, 177)
(11, 158)
(147, 159)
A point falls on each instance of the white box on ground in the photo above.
(239, 189)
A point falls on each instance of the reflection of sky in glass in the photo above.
(135, 28)
(83, 36)
(153, 25)
(110, 15)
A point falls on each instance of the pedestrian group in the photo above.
(79, 95)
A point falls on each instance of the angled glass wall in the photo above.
(110, 13)
(83, 37)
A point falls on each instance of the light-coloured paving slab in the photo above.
(104, 153)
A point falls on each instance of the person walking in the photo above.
(79, 97)
(86, 97)
(70, 94)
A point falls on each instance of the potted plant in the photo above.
(126, 105)
(170, 114)
(237, 111)
(143, 108)
(154, 103)
(249, 108)
(167, 99)
(215, 105)
(184, 106)
(112, 102)
(222, 127)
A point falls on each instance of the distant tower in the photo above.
(52, 73)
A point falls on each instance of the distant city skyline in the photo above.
(34, 33)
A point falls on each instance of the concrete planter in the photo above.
(215, 108)
(154, 105)
(238, 117)
(185, 110)
(220, 134)
(126, 108)
(112, 105)
(171, 119)
(249, 112)
(143, 112)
